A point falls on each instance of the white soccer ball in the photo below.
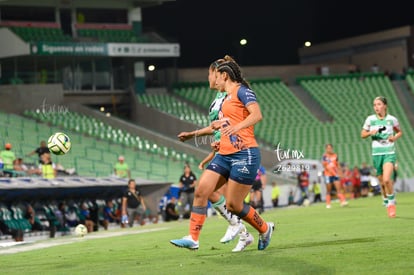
(306, 202)
(59, 143)
(81, 230)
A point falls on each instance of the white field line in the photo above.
(16, 247)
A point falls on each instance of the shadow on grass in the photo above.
(269, 261)
(331, 242)
(404, 218)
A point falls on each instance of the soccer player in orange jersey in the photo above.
(331, 172)
(237, 160)
(217, 198)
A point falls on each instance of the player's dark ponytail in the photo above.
(214, 65)
(234, 72)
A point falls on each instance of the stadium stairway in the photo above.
(406, 98)
(314, 107)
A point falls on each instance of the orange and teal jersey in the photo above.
(331, 164)
(234, 111)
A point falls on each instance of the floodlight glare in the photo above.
(243, 42)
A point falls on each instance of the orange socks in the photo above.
(254, 219)
(328, 199)
(341, 197)
(196, 224)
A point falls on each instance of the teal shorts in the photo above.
(380, 160)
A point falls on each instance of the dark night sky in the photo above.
(275, 29)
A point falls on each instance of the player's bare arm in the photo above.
(398, 134)
(183, 136)
(366, 133)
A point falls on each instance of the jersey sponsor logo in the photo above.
(250, 95)
(382, 129)
(238, 162)
(243, 170)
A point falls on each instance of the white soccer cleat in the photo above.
(264, 239)
(344, 203)
(245, 239)
(186, 242)
(232, 232)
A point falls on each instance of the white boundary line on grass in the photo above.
(11, 248)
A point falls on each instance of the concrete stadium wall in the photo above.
(286, 73)
(356, 41)
(392, 59)
(52, 97)
(12, 45)
(18, 98)
(98, 97)
(388, 49)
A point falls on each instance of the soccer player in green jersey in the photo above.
(384, 129)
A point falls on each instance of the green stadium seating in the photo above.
(347, 98)
(112, 35)
(7, 217)
(96, 146)
(34, 34)
(168, 104)
(409, 78)
(280, 109)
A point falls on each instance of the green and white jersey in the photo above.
(214, 110)
(386, 128)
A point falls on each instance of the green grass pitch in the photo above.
(358, 239)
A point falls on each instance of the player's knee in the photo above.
(386, 182)
(214, 197)
(234, 207)
(201, 193)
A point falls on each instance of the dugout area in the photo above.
(45, 195)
